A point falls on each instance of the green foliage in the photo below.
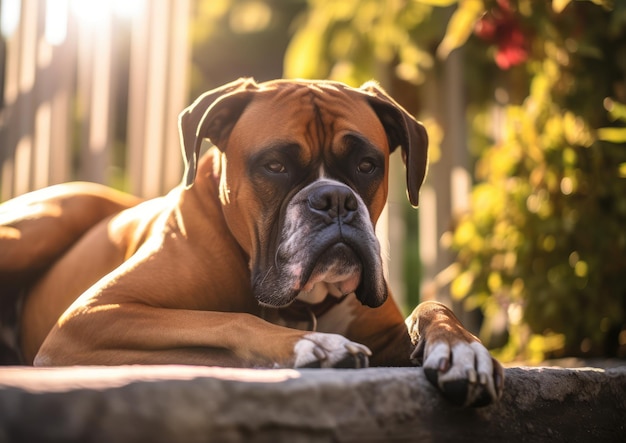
(352, 40)
(461, 25)
(545, 243)
(239, 38)
(547, 230)
(543, 251)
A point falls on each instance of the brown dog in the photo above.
(265, 256)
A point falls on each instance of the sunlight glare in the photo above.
(90, 12)
(9, 16)
(128, 9)
(56, 21)
(250, 16)
(94, 12)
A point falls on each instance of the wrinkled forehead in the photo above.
(313, 115)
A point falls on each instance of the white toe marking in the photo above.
(484, 363)
(435, 352)
(329, 349)
(484, 367)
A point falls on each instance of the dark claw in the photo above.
(417, 356)
(483, 399)
(499, 382)
(432, 375)
(353, 361)
(362, 360)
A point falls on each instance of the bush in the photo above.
(544, 247)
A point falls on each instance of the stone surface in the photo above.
(200, 404)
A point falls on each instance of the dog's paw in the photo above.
(321, 350)
(464, 372)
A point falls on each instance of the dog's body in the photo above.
(264, 257)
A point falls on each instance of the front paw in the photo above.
(464, 372)
(321, 350)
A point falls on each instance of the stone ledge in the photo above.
(193, 404)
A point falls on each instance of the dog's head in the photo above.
(303, 180)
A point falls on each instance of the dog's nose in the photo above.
(333, 202)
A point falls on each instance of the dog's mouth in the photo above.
(336, 272)
(336, 269)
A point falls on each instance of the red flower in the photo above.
(501, 27)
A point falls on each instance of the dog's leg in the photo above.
(157, 309)
(453, 359)
(138, 334)
(37, 227)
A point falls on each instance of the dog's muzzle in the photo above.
(327, 246)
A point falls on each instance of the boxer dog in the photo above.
(264, 257)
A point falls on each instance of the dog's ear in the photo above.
(404, 131)
(211, 116)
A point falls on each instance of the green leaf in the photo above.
(460, 26)
(462, 285)
(617, 110)
(304, 57)
(613, 135)
(559, 5)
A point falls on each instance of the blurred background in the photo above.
(522, 221)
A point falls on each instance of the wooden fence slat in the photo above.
(95, 64)
(29, 33)
(136, 119)
(176, 90)
(158, 87)
(50, 86)
(62, 70)
(155, 98)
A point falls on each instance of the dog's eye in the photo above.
(366, 166)
(275, 167)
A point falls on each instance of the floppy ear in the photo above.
(211, 116)
(404, 131)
